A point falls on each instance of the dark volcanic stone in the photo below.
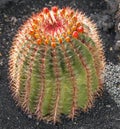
(2, 2)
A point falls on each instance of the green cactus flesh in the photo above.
(57, 77)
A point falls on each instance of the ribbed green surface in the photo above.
(90, 62)
(24, 71)
(35, 83)
(66, 87)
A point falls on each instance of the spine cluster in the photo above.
(56, 64)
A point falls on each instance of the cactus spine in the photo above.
(56, 64)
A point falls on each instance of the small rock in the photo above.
(108, 106)
(75, 123)
(37, 123)
(5, 16)
(117, 45)
(8, 118)
(30, 116)
(14, 20)
(1, 62)
(91, 4)
(17, 118)
(107, 25)
(82, 128)
(111, 48)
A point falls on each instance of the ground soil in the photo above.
(104, 115)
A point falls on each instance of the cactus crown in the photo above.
(56, 64)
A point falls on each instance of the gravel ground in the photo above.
(112, 82)
(106, 111)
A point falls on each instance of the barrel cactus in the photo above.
(56, 64)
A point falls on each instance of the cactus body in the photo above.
(56, 64)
